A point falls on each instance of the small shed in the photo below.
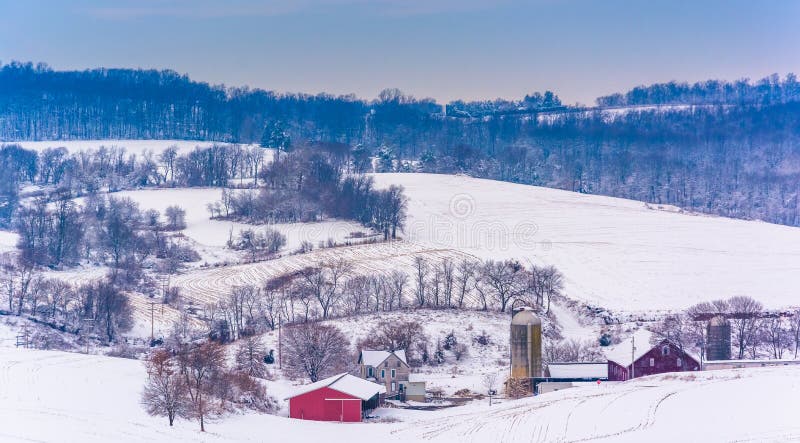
(566, 375)
(343, 397)
(414, 389)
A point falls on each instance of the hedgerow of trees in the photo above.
(730, 150)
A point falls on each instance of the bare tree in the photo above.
(165, 390)
(396, 287)
(448, 281)
(776, 335)
(794, 326)
(250, 357)
(745, 332)
(396, 335)
(357, 293)
(168, 157)
(324, 282)
(199, 366)
(505, 279)
(176, 218)
(464, 278)
(489, 382)
(315, 350)
(420, 278)
(113, 311)
(377, 291)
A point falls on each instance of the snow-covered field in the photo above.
(615, 253)
(205, 285)
(52, 396)
(211, 236)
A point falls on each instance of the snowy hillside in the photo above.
(616, 253)
(211, 236)
(55, 396)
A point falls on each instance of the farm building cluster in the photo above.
(386, 375)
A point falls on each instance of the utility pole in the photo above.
(633, 356)
(152, 329)
(280, 358)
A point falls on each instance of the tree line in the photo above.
(732, 152)
(755, 332)
(333, 289)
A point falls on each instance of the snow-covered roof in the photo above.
(375, 358)
(622, 354)
(578, 370)
(345, 383)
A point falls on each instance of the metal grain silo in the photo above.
(526, 344)
(718, 345)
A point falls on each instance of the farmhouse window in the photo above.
(398, 363)
(369, 371)
(383, 373)
(652, 362)
(392, 373)
(386, 364)
(679, 362)
(665, 350)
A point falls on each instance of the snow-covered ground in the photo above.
(51, 396)
(615, 253)
(8, 241)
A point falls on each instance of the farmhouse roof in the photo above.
(375, 358)
(345, 383)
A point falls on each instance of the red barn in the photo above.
(343, 397)
(636, 356)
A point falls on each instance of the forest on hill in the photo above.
(727, 148)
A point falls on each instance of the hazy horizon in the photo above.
(445, 50)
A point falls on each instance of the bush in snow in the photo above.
(450, 341)
(482, 339)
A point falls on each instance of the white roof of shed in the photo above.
(578, 370)
(375, 358)
(345, 383)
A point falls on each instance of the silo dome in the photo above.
(525, 316)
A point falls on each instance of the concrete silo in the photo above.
(718, 346)
(526, 344)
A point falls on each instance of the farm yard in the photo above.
(93, 398)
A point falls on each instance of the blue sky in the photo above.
(443, 49)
